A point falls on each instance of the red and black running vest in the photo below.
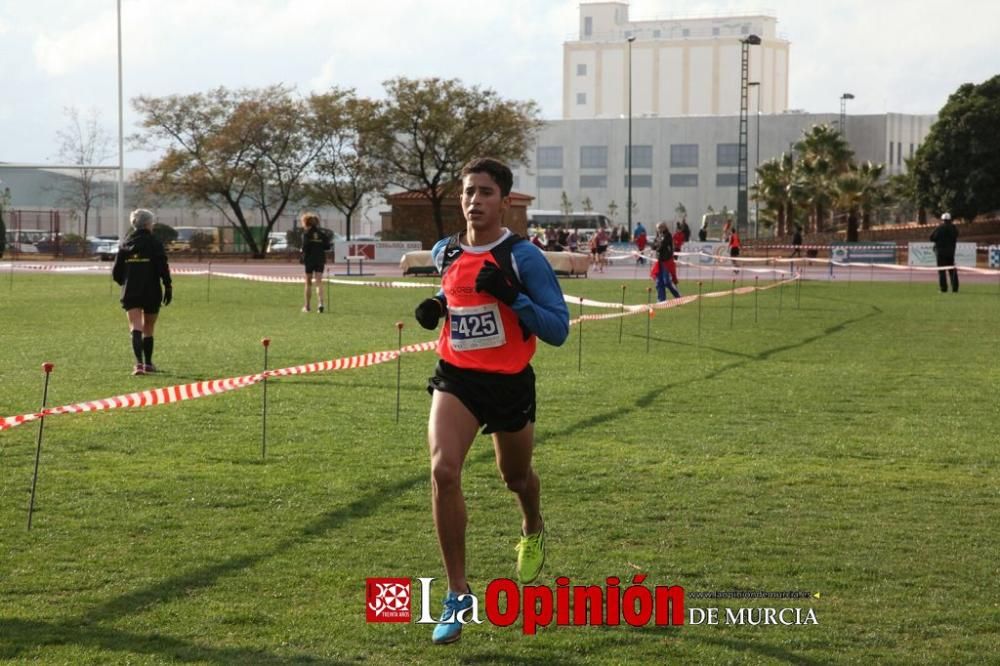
(481, 333)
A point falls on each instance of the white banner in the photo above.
(922, 254)
(714, 248)
(381, 252)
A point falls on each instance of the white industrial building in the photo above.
(685, 116)
(688, 160)
(680, 67)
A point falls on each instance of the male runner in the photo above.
(498, 293)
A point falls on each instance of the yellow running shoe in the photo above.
(530, 556)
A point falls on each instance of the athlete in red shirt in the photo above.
(498, 294)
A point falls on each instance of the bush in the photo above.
(201, 241)
(72, 244)
(164, 233)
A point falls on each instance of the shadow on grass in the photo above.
(651, 396)
(743, 647)
(18, 638)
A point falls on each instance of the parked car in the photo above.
(277, 241)
(104, 247)
(23, 240)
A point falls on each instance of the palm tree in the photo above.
(873, 192)
(823, 155)
(848, 194)
(773, 188)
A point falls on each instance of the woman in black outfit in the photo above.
(140, 267)
(315, 243)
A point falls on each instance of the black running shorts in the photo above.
(315, 267)
(501, 403)
(149, 307)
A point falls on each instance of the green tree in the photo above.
(681, 211)
(430, 128)
(957, 168)
(588, 205)
(237, 151)
(345, 172)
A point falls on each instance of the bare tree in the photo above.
(85, 142)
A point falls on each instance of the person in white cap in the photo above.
(945, 238)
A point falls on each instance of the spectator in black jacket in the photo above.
(140, 267)
(315, 243)
(945, 238)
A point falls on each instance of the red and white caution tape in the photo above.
(181, 392)
(170, 394)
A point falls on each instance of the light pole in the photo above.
(628, 151)
(843, 114)
(756, 164)
(741, 178)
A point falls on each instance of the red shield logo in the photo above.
(387, 599)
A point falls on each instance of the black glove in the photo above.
(429, 312)
(493, 281)
(168, 295)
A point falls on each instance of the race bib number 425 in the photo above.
(476, 327)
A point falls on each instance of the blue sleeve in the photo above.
(436, 259)
(542, 309)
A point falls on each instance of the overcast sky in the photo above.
(894, 55)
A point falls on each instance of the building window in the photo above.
(629, 33)
(517, 182)
(890, 153)
(593, 157)
(656, 34)
(581, 70)
(684, 154)
(642, 157)
(685, 33)
(550, 157)
(640, 180)
(727, 154)
(726, 179)
(715, 32)
(588, 26)
(911, 151)
(581, 98)
(744, 29)
(683, 180)
(899, 153)
(593, 182)
(550, 182)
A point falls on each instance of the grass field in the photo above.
(846, 445)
